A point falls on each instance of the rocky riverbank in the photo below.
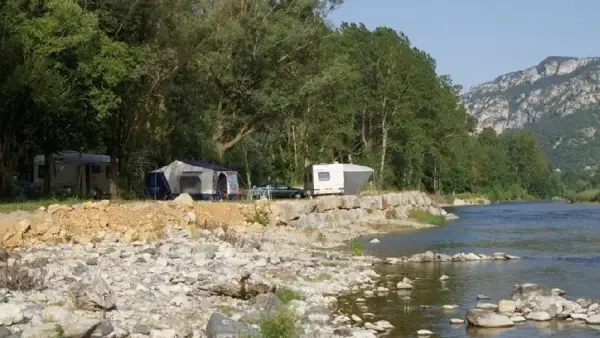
(534, 302)
(172, 287)
(335, 211)
(186, 269)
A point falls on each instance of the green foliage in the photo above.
(280, 324)
(59, 332)
(590, 195)
(286, 294)
(321, 238)
(426, 217)
(260, 86)
(357, 247)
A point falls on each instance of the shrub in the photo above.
(279, 324)
(590, 195)
(357, 247)
(59, 332)
(321, 238)
(286, 294)
(17, 277)
(426, 217)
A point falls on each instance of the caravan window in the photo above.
(324, 176)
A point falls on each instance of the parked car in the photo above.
(278, 190)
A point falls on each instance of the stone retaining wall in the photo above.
(332, 211)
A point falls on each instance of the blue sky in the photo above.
(476, 40)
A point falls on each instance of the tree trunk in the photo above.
(383, 153)
(384, 134)
(49, 177)
(113, 177)
(2, 172)
(295, 144)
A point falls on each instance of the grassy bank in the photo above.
(426, 217)
(30, 205)
(515, 193)
(586, 196)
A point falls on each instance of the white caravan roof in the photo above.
(74, 157)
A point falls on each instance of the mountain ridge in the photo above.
(558, 99)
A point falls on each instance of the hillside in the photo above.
(558, 100)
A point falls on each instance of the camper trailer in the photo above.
(201, 180)
(75, 173)
(335, 179)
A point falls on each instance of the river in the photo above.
(559, 244)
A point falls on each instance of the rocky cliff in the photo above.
(559, 100)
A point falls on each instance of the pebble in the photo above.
(424, 333)
(457, 321)
(444, 277)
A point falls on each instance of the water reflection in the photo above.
(560, 245)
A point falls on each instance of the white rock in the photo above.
(403, 286)
(374, 241)
(488, 319)
(384, 324)
(593, 320)
(424, 333)
(356, 318)
(540, 316)
(374, 327)
(579, 316)
(444, 277)
(487, 306)
(518, 319)
(457, 321)
(507, 306)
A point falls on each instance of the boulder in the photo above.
(505, 306)
(184, 200)
(327, 203)
(49, 330)
(524, 293)
(95, 296)
(593, 320)
(11, 314)
(403, 286)
(287, 211)
(518, 319)
(488, 319)
(472, 257)
(220, 326)
(539, 316)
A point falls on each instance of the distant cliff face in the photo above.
(559, 100)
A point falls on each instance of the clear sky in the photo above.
(476, 40)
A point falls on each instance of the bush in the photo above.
(357, 247)
(590, 195)
(286, 294)
(280, 324)
(426, 217)
(17, 277)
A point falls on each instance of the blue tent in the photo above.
(201, 180)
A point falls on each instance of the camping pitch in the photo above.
(199, 179)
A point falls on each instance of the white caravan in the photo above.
(75, 172)
(335, 179)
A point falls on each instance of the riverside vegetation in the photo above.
(265, 87)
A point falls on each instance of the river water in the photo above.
(559, 244)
